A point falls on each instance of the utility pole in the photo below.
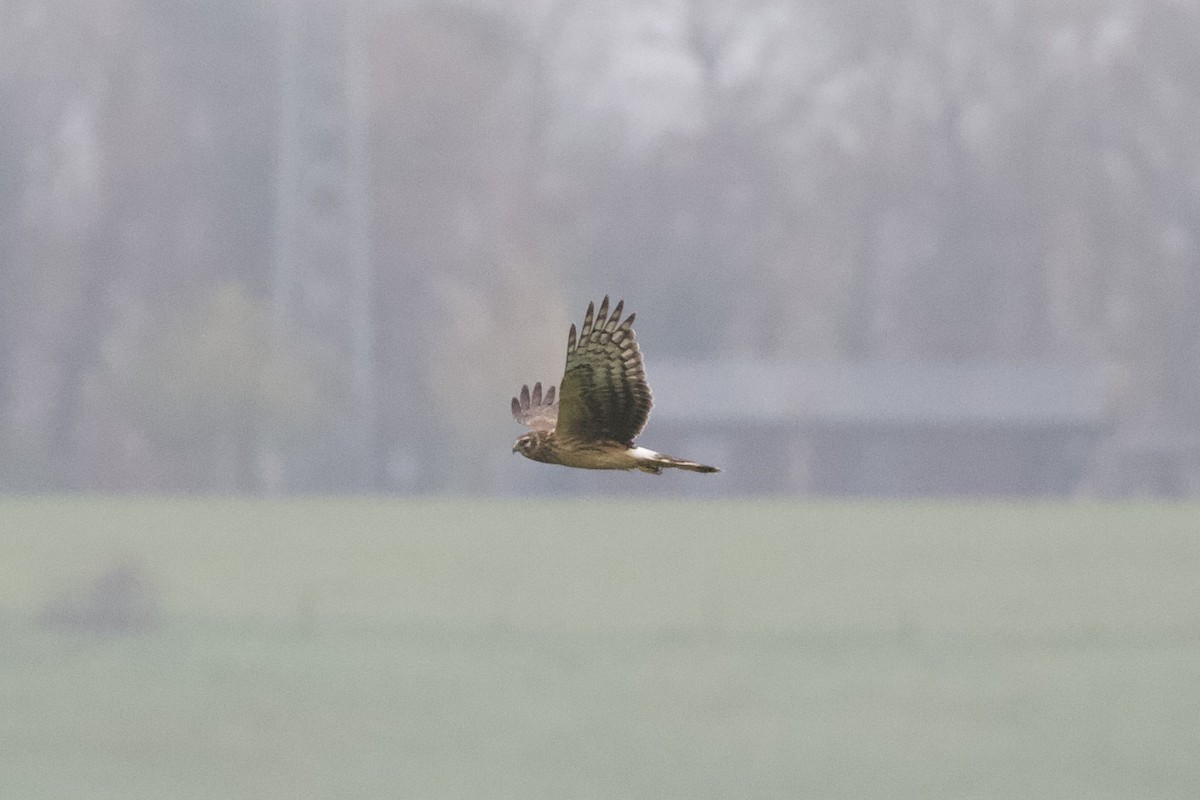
(360, 208)
(287, 168)
(323, 278)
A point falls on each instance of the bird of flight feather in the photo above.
(602, 405)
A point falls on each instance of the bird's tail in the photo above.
(658, 462)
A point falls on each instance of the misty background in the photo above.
(255, 253)
(265, 247)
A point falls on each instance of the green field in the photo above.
(434, 649)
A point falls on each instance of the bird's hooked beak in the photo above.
(515, 446)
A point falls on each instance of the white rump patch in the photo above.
(643, 453)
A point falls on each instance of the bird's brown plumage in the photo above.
(604, 395)
(603, 402)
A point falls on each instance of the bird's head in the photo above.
(535, 445)
(525, 444)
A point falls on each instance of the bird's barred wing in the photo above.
(535, 411)
(603, 394)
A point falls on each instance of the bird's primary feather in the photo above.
(603, 394)
(535, 411)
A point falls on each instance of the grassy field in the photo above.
(419, 649)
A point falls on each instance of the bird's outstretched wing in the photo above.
(603, 394)
(537, 411)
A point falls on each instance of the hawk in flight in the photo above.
(603, 402)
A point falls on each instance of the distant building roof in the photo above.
(969, 393)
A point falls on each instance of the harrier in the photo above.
(603, 403)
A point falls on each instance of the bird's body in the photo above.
(603, 403)
(543, 446)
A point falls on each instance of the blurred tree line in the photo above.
(933, 180)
